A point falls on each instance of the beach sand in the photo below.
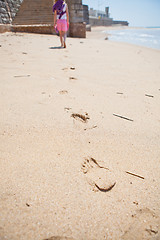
(74, 124)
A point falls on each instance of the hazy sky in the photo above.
(144, 13)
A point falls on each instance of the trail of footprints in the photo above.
(98, 177)
(72, 69)
(101, 179)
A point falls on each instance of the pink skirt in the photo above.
(62, 25)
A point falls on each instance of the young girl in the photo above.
(61, 19)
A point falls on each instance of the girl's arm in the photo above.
(55, 17)
(67, 13)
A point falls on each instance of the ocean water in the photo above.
(148, 37)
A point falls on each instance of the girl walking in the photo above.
(61, 20)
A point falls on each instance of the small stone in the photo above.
(3, 10)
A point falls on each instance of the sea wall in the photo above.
(42, 29)
(5, 28)
(9, 14)
(76, 16)
(93, 21)
(100, 22)
(125, 23)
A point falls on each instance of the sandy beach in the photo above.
(79, 139)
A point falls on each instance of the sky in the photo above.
(139, 13)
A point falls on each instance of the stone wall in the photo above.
(8, 10)
(5, 28)
(77, 30)
(42, 29)
(76, 18)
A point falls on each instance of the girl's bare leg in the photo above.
(61, 37)
(64, 37)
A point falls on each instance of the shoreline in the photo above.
(107, 34)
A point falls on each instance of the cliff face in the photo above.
(8, 10)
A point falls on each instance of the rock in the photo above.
(3, 10)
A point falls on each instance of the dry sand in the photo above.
(65, 152)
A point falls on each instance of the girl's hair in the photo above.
(56, 1)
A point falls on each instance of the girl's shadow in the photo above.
(56, 48)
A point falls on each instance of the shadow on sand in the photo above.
(56, 48)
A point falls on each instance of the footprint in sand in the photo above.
(65, 68)
(83, 118)
(144, 226)
(63, 92)
(98, 177)
(67, 108)
(72, 78)
(72, 68)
